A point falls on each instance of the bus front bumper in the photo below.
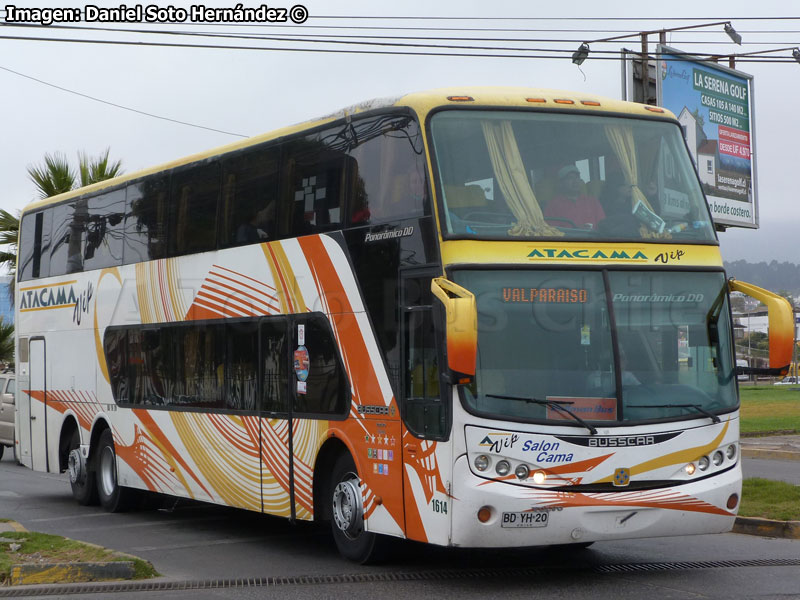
(523, 516)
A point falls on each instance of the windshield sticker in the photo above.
(586, 336)
(301, 362)
(589, 254)
(546, 295)
(592, 409)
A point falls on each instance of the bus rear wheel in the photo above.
(346, 514)
(81, 479)
(113, 497)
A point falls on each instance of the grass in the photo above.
(770, 409)
(45, 548)
(768, 499)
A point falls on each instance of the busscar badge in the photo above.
(622, 477)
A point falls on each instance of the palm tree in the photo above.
(98, 169)
(9, 234)
(54, 177)
(6, 341)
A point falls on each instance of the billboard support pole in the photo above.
(645, 70)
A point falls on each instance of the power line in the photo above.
(338, 37)
(141, 112)
(570, 18)
(521, 53)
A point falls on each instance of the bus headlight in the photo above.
(522, 471)
(482, 462)
(689, 469)
(503, 467)
(539, 477)
(703, 463)
(730, 452)
(717, 458)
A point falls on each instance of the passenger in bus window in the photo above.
(572, 207)
(250, 231)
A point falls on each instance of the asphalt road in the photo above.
(779, 470)
(199, 542)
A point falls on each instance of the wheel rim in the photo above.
(348, 510)
(108, 472)
(76, 467)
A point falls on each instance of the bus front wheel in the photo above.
(346, 514)
(113, 496)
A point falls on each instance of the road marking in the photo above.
(68, 517)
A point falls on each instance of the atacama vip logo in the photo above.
(588, 254)
(48, 297)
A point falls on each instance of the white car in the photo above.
(792, 380)
(7, 388)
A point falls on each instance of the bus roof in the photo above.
(421, 102)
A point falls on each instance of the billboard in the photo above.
(714, 105)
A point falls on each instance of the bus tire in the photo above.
(84, 489)
(2, 449)
(346, 513)
(113, 497)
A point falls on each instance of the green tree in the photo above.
(6, 341)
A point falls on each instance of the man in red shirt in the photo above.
(578, 209)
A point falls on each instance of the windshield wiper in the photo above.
(697, 407)
(555, 404)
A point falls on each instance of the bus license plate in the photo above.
(525, 519)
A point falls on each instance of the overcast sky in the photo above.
(249, 92)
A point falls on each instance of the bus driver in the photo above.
(575, 208)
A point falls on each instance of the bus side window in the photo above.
(151, 369)
(314, 173)
(102, 239)
(274, 374)
(194, 194)
(423, 411)
(249, 197)
(423, 408)
(241, 366)
(198, 364)
(146, 205)
(115, 345)
(34, 249)
(326, 387)
(388, 173)
(68, 230)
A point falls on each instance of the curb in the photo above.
(767, 528)
(768, 454)
(33, 574)
(65, 573)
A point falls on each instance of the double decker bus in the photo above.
(487, 317)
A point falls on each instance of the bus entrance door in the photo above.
(33, 413)
(426, 455)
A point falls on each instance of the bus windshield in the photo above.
(609, 346)
(511, 175)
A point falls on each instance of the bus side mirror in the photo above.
(456, 306)
(781, 328)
